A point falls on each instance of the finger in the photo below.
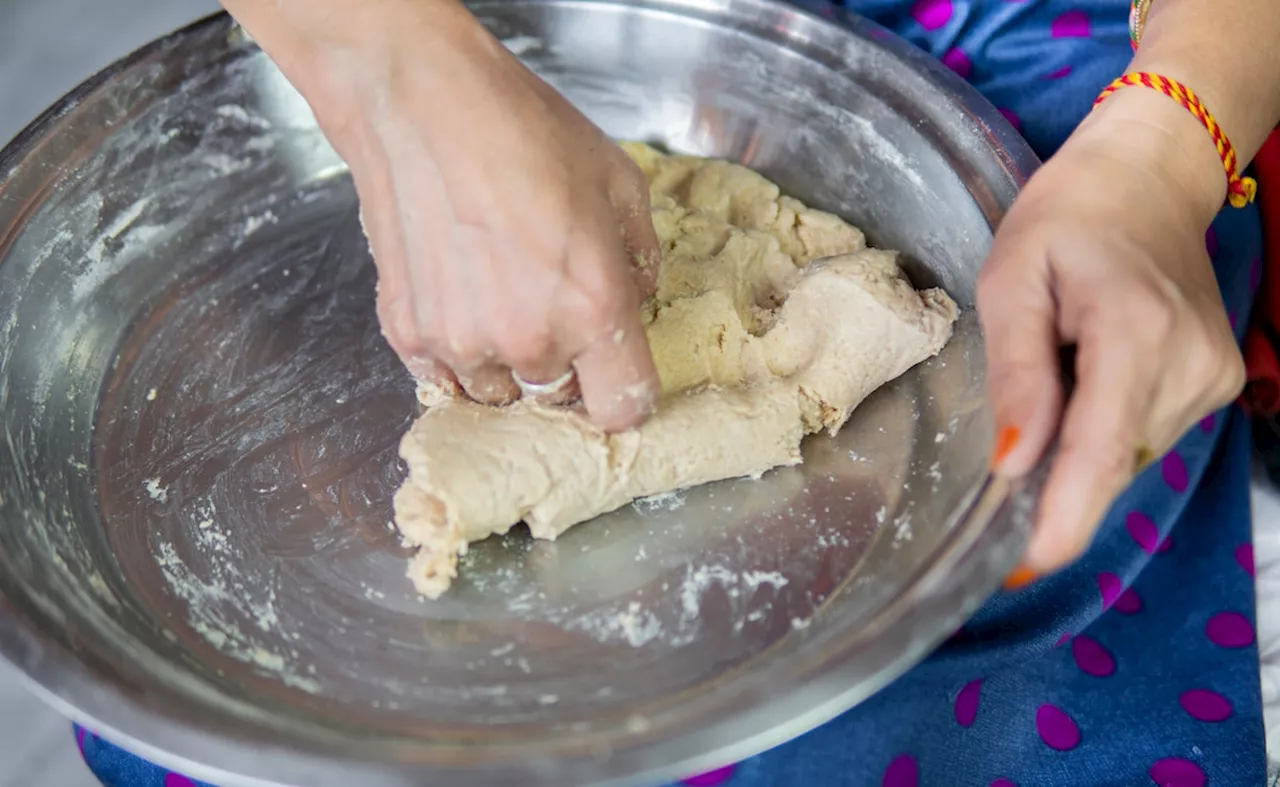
(618, 379)
(631, 203)
(564, 385)
(489, 384)
(1098, 447)
(1019, 318)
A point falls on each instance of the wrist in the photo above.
(345, 62)
(1163, 143)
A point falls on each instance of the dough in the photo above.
(756, 346)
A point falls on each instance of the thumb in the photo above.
(630, 197)
(1018, 312)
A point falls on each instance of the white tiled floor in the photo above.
(49, 46)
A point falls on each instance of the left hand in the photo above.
(1105, 250)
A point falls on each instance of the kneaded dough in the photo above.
(756, 345)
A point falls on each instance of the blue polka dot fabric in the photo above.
(1136, 666)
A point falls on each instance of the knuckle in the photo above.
(1150, 313)
(602, 303)
(1204, 364)
(528, 349)
(1112, 459)
(1233, 376)
(463, 351)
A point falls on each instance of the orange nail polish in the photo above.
(1006, 441)
(1019, 578)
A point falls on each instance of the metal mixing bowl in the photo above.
(199, 425)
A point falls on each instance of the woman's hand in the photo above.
(1105, 250)
(510, 234)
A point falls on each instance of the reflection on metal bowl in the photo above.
(200, 420)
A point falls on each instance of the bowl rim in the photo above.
(975, 556)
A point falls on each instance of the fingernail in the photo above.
(1019, 578)
(1006, 441)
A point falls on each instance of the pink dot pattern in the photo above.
(933, 14)
(1206, 705)
(1244, 556)
(1174, 470)
(1056, 728)
(966, 707)
(902, 772)
(1003, 783)
(1013, 118)
(1061, 73)
(1177, 772)
(1211, 242)
(1143, 530)
(1208, 422)
(1092, 658)
(959, 62)
(1072, 24)
(174, 780)
(1129, 603)
(1111, 587)
(1229, 630)
(712, 778)
(1064, 639)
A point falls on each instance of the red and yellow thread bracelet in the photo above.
(1240, 190)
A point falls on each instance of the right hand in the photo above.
(510, 234)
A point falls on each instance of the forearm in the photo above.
(1229, 54)
(312, 41)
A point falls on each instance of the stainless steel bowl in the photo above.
(199, 425)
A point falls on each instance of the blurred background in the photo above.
(48, 47)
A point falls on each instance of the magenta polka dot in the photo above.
(1230, 630)
(80, 737)
(1165, 545)
(1064, 639)
(1129, 603)
(932, 14)
(1092, 658)
(1233, 319)
(1211, 242)
(1207, 423)
(967, 703)
(902, 772)
(1174, 470)
(174, 780)
(1013, 118)
(959, 62)
(1206, 705)
(1177, 772)
(1143, 530)
(1255, 273)
(1056, 728)
(1072, 24)
(1003, 783)
(1244, 556)
(1111, 587)
(712, 778)
(1061, 73)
